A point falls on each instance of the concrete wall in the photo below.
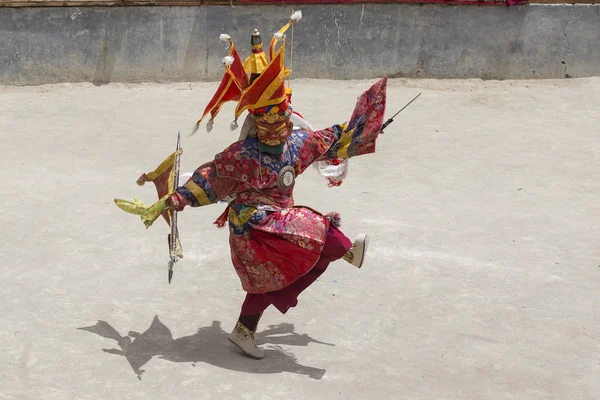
(130, 44)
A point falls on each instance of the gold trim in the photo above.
(239, 85)
(274, 40)
(198, 193)
(163, 167)
(219, 103)
(345, 141)
(280, 78)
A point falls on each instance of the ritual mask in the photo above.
(273, 128)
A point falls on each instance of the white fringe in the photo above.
(296, 16)
(228, 60)
(247, 128)
(224, 37)
(300, 123)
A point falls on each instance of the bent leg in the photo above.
(336, 246)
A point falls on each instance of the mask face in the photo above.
(273, 131)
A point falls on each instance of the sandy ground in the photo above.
(483, 277)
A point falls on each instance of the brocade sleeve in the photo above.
(203, 188)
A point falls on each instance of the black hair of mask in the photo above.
(272, 149)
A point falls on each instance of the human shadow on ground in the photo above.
(210, 345)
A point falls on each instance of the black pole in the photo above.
(389, 121)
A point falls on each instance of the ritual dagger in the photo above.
(389, 121)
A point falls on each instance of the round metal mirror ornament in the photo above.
(286, 177)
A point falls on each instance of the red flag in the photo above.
(234, 82)
(162, 177)
(268, 89)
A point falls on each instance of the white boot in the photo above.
(243, 338)
(356, 254)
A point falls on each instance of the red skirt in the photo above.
(284, 246)
(336, 245)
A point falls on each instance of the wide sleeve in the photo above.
(203, 188)
(337, 142)
(357, 137)
(349, 141)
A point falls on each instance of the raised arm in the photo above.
(351, 139)
(337, 142)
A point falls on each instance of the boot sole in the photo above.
(365, 240)
(244, 351)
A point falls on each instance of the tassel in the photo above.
(224, 37)
(334, 218)
(278, 35)
(209, 125)
(222, 220)
(234, 125)
(334, 182)
(228, 60)
(195, 129)
(296, 16)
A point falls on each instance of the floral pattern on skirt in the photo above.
(283, 247)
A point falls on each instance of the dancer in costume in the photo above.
(278, 249)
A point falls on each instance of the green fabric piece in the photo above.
(155, 211)
(272, 149)
(136, 208)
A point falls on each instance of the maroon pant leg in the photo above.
(336, 245)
